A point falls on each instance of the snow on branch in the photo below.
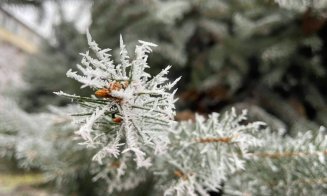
(129, 122)
(207, 152)
(292, 165)
(139, 107)
(302, 5)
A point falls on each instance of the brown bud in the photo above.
(117, 120)
(115, 86)
(125, 84)
(115, 164)
(180, 175)
(102, 93)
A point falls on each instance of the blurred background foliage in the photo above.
(46, 71)
(252, 54)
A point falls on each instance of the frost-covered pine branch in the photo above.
(284, 166)
(139, 107)
(302, 5)
(129, 122)
(44, 143)
(204, 153)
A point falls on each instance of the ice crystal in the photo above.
(139, 107)
(208, 151)
(280, 166)
(129, 121)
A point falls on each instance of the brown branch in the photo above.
(302, 181)
(182, 175)
(319, 181)
(216, 140)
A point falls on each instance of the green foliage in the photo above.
(249, 54)
(45, 71)
(36, 3)
(229, 52)
(284, 166)
(44, 143)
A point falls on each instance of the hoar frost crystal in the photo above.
(145, 105)
(129, 121)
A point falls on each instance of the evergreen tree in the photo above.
(258, 56)
(129, 124)
(253, 53)
(132, 139)
(44, 72)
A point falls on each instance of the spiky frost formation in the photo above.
(139, 107)
(206, 152)
(302, 5)
(119, 175)
(284, 166)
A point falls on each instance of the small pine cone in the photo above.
(117, 120)
(102, 93)
(180, 175)
(125, 84)
(115, 86)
